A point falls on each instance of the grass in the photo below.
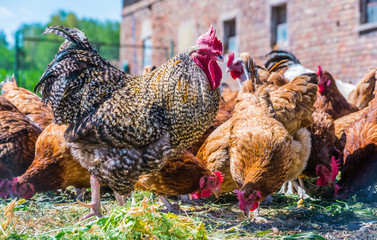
(57, 216)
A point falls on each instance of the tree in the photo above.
(38, 51)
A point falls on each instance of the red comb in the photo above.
(319, 73)
(230, 59)
(219, 176)
(335, 167)
(209, 39)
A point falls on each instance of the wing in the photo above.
(293, 103)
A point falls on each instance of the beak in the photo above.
(216, 192)
(220, 58)
(227, 70)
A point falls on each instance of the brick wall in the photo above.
(321, 32)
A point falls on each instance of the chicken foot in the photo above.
(170, 207)
(301, 191)
(95, 205)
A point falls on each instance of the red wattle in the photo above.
(216, 74)
(205, 193)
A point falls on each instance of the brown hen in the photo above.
(365, 90)
(27, 102)
(53, 167)
(18, 135)
(329, 99)
(181, 175)
(360, 154)
(269, 142)
(322, 163)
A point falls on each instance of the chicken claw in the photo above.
(95, 205)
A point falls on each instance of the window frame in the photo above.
(227, 34)
(365, 26)
(275, 23)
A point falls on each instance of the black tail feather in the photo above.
(276, 56)
(73, 35)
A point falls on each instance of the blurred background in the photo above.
(26, 53)
(338, 35)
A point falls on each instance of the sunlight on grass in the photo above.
(58, 216)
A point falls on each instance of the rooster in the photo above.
(18, 135)
(27, 102)
(182, 175)
(53, 167)
(329, 99)
(119, 135)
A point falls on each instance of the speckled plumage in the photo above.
(129, 132)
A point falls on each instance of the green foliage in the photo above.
(38, 51)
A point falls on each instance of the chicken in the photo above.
(27, 102)
(122, 134)
(241, 68)
(214, 152)
(321, 162)
(53, 167)
(360, 154)
(365, 90)
(269, 142)
(18, 135)
(182, 175)
(329, 99)
(341, 125)
(296, 69)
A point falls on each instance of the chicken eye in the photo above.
(202, 52)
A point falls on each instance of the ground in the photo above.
(57, 216)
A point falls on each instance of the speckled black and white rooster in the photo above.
(122, 126)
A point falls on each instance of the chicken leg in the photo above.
(171, 207)
(95, 205)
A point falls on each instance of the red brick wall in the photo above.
(321, 32)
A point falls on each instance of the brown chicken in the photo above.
(329, 99)
(269, 142)
(322, 163)
(53, 167)
(214, 152)
(27, 102)
(18, 135)
(360, 154)
(122, 134)
(182, 175)
(365, 90)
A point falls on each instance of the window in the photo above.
(129, 2)
(368, 10)
(147, 52)
(279, 29)
(230, 43)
